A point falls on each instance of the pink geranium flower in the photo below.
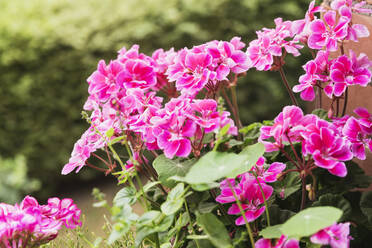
(282, 242)
(103, 82)
(336, 236)
(328, 32)
(316, 73)
(301, 28)
(327, 147)
(282, 130)
(30, 224)
(249, 194)
(344, 73)
(191, 71)
(227, 58)
(268, 174)
(359, 132)
(270, 44)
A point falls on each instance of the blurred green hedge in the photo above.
(49, 47)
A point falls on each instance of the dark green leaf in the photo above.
(335, 201)
(166, 168)
(215, 230)
(366, 205)
(206, 207)
(321, 113)
(289, 185)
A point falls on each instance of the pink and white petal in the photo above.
(339, 170)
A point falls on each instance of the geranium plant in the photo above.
(212, 182)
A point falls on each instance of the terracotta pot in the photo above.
(358, 96)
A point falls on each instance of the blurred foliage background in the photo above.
(49, 47)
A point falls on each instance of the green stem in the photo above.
(265, 202)
(249, 230)
(191, 224)
(139, 182)
(157, 242)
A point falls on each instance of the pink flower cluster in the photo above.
(124, 97)
(335, 75)
(247, 189)
(282, 242)
(359, 132)
(323, 141)
(336, 236)
(30, 224)
(270, 44)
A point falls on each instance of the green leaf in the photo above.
(151, 222)
(206, 207)
(279, 216)
(149, 185)
(166, 245)
(216, 165)
(335, 201)
(125, 196)
(110, 133)
(223, 131)
(252, 154)
(215, 230)
(252, 131)
(366, 205)
(174, 200)
(321, 113)
(310, 221)
(197, 237)
(290, 184)
(167, 168)
(271, 232)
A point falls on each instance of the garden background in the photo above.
(49, 47)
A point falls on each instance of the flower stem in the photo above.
(303, 196)
(192, 227)
(235, 106)
(265, 202)
(249, 230)
(285, 82)
(345, 102)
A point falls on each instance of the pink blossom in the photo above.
(336, 236)
(282, 242)
(328, 32)
(355, 31)
(162, 59)
(249, 194)
(301, 28)
(227, 58)
(30, 224)
(191, 71)
(315, 74)
(327, 147)
(270, 173)
(103, 82)
(346, 72)
(357, 7)
(359, 133)
(270, 44)
(137, 74)
(281, 130)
